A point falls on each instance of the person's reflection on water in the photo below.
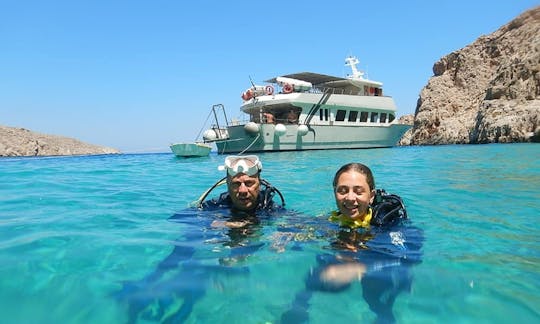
(233, 221)
(375, 244)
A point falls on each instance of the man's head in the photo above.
(243, 180)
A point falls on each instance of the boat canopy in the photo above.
(313, 78)
(299, 85)
(322, 80)
(355, 83)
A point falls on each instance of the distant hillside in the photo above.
(486, 92)
(22, 142)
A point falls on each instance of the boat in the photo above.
(309, 111)
(191, 149)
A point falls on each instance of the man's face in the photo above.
(244, 190)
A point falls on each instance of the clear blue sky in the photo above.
(139, 75)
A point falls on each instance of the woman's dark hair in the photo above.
(358, 167)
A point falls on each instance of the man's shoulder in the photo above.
(266, 200)
(224, 200)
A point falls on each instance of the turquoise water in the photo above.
(73, 230)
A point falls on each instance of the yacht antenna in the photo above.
(352, 61)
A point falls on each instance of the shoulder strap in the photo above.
(387, 208)
(269, 193)
(199, 202)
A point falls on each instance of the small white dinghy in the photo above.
(191, 149)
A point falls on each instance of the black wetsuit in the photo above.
(388, 249)
(187, 276)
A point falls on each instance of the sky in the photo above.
(139, 75)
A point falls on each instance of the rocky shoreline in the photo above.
(23, 142)
(486, 92)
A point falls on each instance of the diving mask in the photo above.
(247, 164)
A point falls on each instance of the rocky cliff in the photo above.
(486, 92)
(22, 142)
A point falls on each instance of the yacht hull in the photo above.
(318, 137)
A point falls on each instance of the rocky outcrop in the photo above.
(487, 92)
(406, 120)
(22, 142)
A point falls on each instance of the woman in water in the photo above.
(374, 245)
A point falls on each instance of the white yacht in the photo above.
(309, 111)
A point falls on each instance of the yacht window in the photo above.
(326, 114)
(374, 117)
(352, 116)
(383, 117)
(340, 115)
(363, 116)
(391, 118)
(320, 114)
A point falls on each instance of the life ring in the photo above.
(247, 95)
(288, 88)
(269, 90)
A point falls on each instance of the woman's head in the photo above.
(354, 189)
(357, 167)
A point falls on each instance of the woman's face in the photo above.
(353, 194)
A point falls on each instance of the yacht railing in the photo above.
(335, 91)
(331, 90)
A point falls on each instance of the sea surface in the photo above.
(81, 238)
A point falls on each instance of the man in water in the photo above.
(237, 213)
(246, 192)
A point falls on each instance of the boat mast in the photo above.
(352, 61)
